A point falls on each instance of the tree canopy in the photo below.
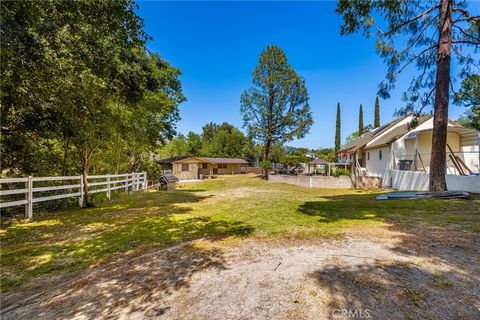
(80, 91)
(216, 140)
(426, 35)
(469, 96)
(275, 108)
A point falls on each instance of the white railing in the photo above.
(74, 188)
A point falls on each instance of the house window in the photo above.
(368, 155)
(204, 165)
(380, 154)
(222, 166)
(185, 167)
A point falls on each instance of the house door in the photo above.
(215, 170)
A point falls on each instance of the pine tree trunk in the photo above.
(442, 87)
(266, 152)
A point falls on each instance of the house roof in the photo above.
(365, 138)
(170, 160)
(394, 134)
(318, 161)
(214, 160)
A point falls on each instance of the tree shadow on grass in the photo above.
(134, 285)
(396, 290)
(441, 232)
(70, 240)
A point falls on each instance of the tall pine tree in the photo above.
(376, 122)
(337, 130)
(360, 121)
(430, 35)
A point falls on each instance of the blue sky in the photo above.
(216, 46)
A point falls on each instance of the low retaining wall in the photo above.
(342, 182)
(415, 180)
(255, 170)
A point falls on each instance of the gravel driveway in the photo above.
(369, 274)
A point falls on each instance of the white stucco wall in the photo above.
(415, 180)
(470, 150)
(375, 166)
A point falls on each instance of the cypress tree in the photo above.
(376, 122)
(337, 130)
(360, 121)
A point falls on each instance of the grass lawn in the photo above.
(231, 206)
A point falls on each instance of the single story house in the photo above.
(405, 145)
(191, 168)
(167, 163)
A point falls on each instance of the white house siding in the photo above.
(375, 166)
(408, 148)
(470, 150)
(418, 181)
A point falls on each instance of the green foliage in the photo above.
(275, 108)
(376, 121)
(224, 141)
(75, 239)
(469, 96)
(328, 154)
(354, 135)
(216, 140)
(360, 121)
(338, 140)
(341, 172)
(97, 101)
(408, 36)
(266, 165)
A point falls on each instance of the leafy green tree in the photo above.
(275, 108)
(177, 146)
(376, 121)
(360, 121)
(328, 154)
(338, 140)
(194, 143)
(226, 143)
(427, 34)
(277, 153)
(354, 135)
(469, 96)
(267, 166)
(95, 94)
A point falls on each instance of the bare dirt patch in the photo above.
(421, 273)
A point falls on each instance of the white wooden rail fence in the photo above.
(128, 181)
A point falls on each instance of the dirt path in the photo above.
(386, 276)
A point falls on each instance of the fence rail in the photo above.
(34, 193)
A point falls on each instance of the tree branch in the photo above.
(466, 19)
(400, 25)
(415, 57)
(466, 34)
(420, 35)
(425, 102)
(476, 43)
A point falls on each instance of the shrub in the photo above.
(266, 165)
(341, 172)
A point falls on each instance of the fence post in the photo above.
(80, 200)
(109, 194)
(29, 205)
(145, 181)
(126, 182)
